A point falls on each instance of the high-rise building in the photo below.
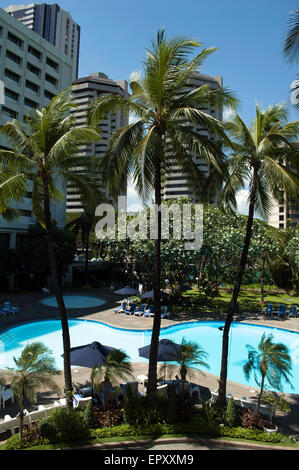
(32, 71)
(85, 90)
(175, 184)
(53, 24)
(284, 211)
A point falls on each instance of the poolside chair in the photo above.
(269, 310)
(122, 307)
(10, 308)
(141, 310)
(164, 312)
(4, 312)
(293, 311)
(282, 311)
(150, 312)
(131, 310)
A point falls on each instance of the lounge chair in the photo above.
(131, 310)
(122, 307)
(4, 312)
(269, 310)
(282, 311)
(141, 310)
(10, 308)
(164, 312)
(150, 312)
(293, 311)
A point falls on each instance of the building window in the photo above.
(12, 38)
(281, 217)
(9, 112)
(281, 225)
(51, 80)
(35, 70)
(32, 86)
(13, 57)
(30, 103)
(25, 213)
(52, 64)
(281, 209)
(35, 52)
(12, 95)
(49, 95)
(12, 75)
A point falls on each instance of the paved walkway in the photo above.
(31, 309)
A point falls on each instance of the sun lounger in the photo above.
(293, 311)
(282, 311)
(4, 312)
(131, 310)
(140, 311)
(10, 308)
(122, 307)
(269, 310)
(150, 312)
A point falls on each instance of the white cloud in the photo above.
(134, 203)
(227, 114)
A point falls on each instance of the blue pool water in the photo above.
(75, 301)
(206, 334)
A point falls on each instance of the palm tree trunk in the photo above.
(152, 369)
(262, 279)
(221, 400)
(59, 296)
(260, 394)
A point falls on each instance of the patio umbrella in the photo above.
(150, 294)
(90, 355)
(127, 291)
(167, 350)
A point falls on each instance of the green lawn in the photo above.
(248, 301)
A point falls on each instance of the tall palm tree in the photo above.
(35, 368)
(291, 42)
(44, 153)
(164, 108)
(264, 156)
(116, 367)
(271, 362)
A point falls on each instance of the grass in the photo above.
(248, 301)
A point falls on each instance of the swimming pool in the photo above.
(75, 301)
(206, 334)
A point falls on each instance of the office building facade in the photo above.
(176, 185)
(54, 25)
(85, 90)
(32, 72)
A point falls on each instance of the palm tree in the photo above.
(44, 153)
(116, 367)
(262, 154)
(271, 362)
(191, 355)
(291, 42)
(164, 108)
(35, 368)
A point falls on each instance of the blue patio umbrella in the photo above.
(127, 290)
(167, 350)
(90, 355)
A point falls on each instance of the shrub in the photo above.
(108, 418)
(232, 417)
(251, 420)
(68, 425)
(88, 415)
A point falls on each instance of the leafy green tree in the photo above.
(164, 108)
(270, 363)
(35, 368)
(263, 155)
(45, 152)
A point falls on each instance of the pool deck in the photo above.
(31, 309)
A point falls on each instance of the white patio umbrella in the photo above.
(127, 290)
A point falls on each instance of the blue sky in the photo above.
(248, 35)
